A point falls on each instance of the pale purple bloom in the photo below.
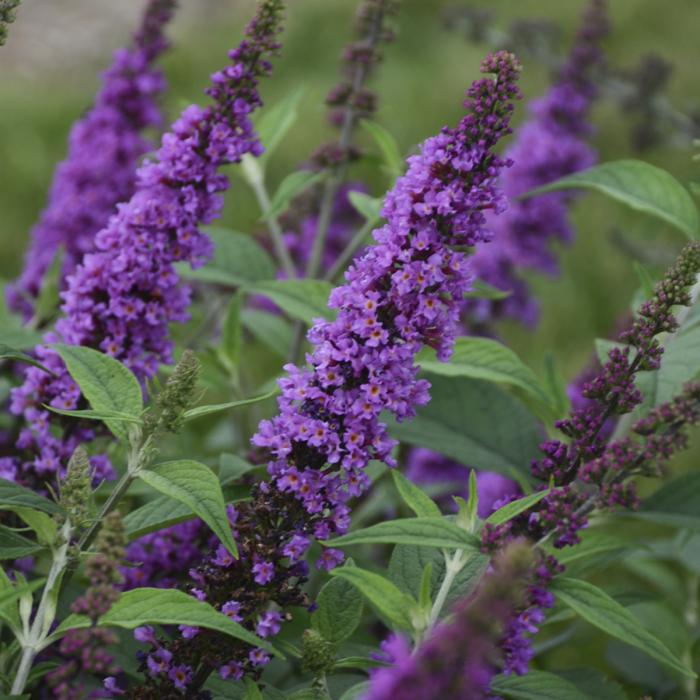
(551, 144)
(122, 297)
(104, 147)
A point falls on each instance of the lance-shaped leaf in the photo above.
(105, 382)
(305, 300)
(200, 411)
(427, 532)
(238, 260)
(339, 610)
(293, 185)
(638, 185)
(156, 606)
(515, 508)
(389, 601)
(483, 358)
(13, 495)
(536, 685)
(418, 501)
(14, 546)
(598, 608)
(475, 423)
(15, 355)
(196, 486)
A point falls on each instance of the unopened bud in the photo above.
(318, 654)
(177, 395)
(76, 488)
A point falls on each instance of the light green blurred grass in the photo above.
(421, 85)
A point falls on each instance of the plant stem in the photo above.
(255, 178)
(45, 614)
(119, 490)
(348, 253)
(453, 565)
(337, 174)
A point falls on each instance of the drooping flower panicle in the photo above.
(122, 298)
(104, 147)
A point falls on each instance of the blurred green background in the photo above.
(49, 71)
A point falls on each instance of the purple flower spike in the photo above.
(122, 297)
(547, 147)
(104, 147)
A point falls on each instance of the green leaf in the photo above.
(105, 382)
(13, 333)
(19, 338)
(638, 185)
(408, 563)
(270, 329)
(425, 599)
(556, 386)
(426, 532)
(536, 685)
(679, 365)
(43, 525)
(602, 611)
(232, 468)
(196, 486)
(157, 606)
(232, 334)
(238, 260)
(339, 610)
(15, 355)
(305, 300)
(387, 147)
(155, 515)
(252, 692)
(292, 186)
(367, 206)
(357, 691)
(418, 501)
(275, 121)
(646, 281)
(14, 546)
(594, 543)
(483, 358)
(603, 346)
(389, 601)
(515, 508)
(676, 503)
(89, 414)
(12, 495)
(200, 411)
(593, 683)
(474, 423)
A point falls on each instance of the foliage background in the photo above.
(49, 72)
(48, 75)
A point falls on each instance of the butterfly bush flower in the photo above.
(589, 471)
(104, 147)
(122, 297)
(461, 655)
(551, 144)
(403, 293)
